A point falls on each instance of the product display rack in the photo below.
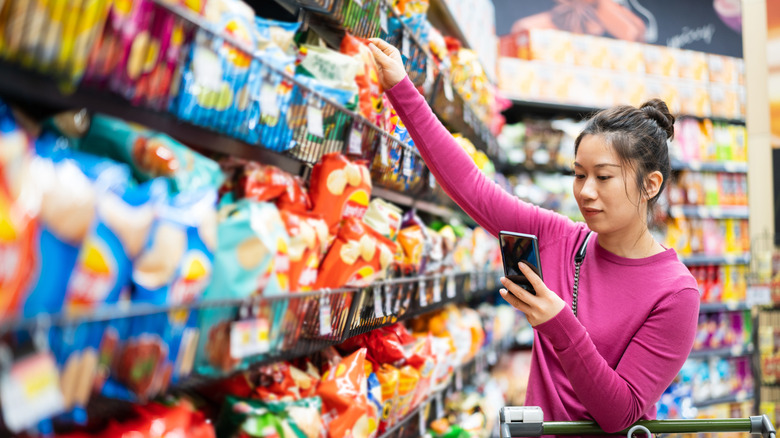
(351, 311)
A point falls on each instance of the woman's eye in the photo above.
(579, 176)
(604, 178)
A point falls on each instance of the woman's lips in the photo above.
(590, 212)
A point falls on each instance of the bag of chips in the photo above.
(367, 79)
(340, 189)
(345, 399)
(256, 418)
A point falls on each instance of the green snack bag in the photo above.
(254, 418)
(150, 154)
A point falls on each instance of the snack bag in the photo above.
(296, 198)
(263, 183)
(339, 189)
(374, 394)
(411, 244)
(370, 91)
(407, 384)
(422, 359)
(308, 242)
(150, 154)
(287, 383)
(388, 377)
(383, 217)
(174, 268)
(358, 256)
(254, 418)
(57, 37)
(344, 395)
(250, 236)
(214, 90)
(19, 204)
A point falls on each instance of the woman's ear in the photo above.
(653, 183)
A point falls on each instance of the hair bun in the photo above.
(657, 110)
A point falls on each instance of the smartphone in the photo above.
(517, 248)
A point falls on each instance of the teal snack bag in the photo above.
(250, 260)
(150, 154)
(256, 418)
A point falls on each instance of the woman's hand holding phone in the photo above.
(538, 308)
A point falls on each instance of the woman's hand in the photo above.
(538, 308)
(390, 66)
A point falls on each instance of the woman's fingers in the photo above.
(514, 301)
(534, 279)
(522, 294)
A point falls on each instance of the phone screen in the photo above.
(516, 248)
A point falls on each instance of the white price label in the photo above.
(450, 286)
(325, 328)
(758, 295)
(268, 105)
(405, 44)
(378, 311)
(448, 93)
(458, 379)
(314, 121)
(407, 165)
(431, 180)
(473, 281)
(437, 290)
(383, 18)
(383, 152)
(388, 302)
(439, 405)
(249, 337)
(428, 75)
(355, 146)
(30, 390)
(423, 418)
(421, 289)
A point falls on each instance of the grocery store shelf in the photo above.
(711, 166)
(409, 201)
(523, 108)
(734, 351)
(741, 396)
(730, 306)
(710, 211)
(39, 96)
(441, 18)
(702, 259)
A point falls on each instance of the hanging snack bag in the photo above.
(252, 239)
(19, 204)
(389, 377)
(308, 240)
(245, 418)
(53, 37)
(296, 198)
(214, 90)
(370, 91)
(383, 217)
(422, 359)
(344, 394)
(150, 154)
(340, 189)
(263, 183)
(407, 384)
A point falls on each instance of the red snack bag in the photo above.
(308, 241)
(423, 360)
(286, 382)
(344, 396)
(295, 198)
(263, 183)
(369, 89)
(340, 189)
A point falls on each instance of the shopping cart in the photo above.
(527, 421)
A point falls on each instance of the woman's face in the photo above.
(606, 193)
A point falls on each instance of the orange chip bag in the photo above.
(357, 257)
(340, 189)
(263, 183)
(423, 360)
(407, 384)
(412, 242)
(344, 393)
(388, 376)
(308, 236)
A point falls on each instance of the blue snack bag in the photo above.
(253, 244)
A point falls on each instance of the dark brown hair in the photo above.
(638, 136)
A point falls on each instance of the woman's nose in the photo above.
(588, 190)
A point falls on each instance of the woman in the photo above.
(637, 305)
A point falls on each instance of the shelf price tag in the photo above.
(388, 301)
(472, 281)
(325, 328)
(421, 289)
(448, 93)
(439, 405)
(428, 75)
(458, 379)
(383, 17)
(30, 390)
(405, 44)
(378, 311)
(314, 121)
(422, 416)
(383, 152)
(407, 165)
(451, 286)
(355, 145)
(249, 337)
(268, 105)
(431, 180)
(437, 290)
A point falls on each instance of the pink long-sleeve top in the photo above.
(636, 318)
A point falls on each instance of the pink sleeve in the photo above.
(618, 397)
(482, 199)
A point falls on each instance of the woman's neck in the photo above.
(629, 246)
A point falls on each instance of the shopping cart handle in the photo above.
(528, 421)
